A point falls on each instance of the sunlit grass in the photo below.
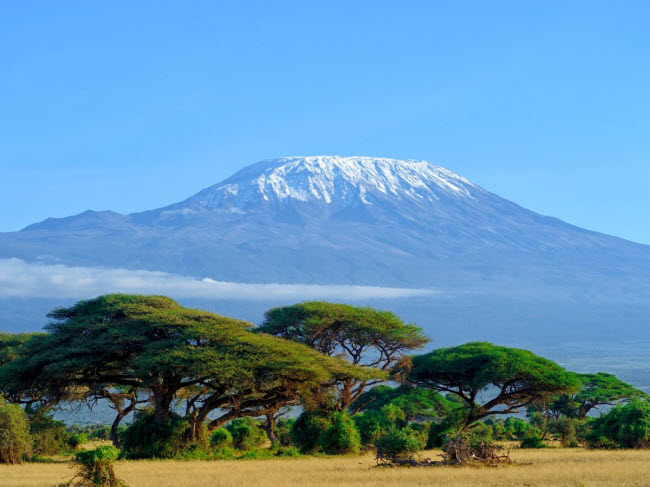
(546, 467)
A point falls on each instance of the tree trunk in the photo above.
(162, 402)
(113, 435)
(269, 427)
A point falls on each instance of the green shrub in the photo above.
(333, 433)
(402, 443)
(50, 436)
(15, 441)
(76, 440)
(307, 429)
(532, 439)
(517, 428)
(625, 426)
(566, 428)
(371, 426)
(341, 436)
(438, 432)
(224, 453)
(287, 451)
(283, 431)
(480, 433)
(220, 438)
(246, 433)
(95, 468)
(144, 438)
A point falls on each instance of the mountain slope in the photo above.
(354, 220)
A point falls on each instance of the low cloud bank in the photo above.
(22, 279)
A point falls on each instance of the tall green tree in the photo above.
(490, 379)
(363, 335)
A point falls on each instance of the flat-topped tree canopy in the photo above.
(602, 389)
(365, 336)
(153, 342)
(490, 379)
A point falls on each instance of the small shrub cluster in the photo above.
(331, 433)
(95, 468)
(625, 426)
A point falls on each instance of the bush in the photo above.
(439, 432)
(307, 429)
(516, 428)
(283, 431)
(246, 433)
(371, 426)
(95, 468)
(401, 443)
(220, 438)
(566, 427)
(341, 436)
(76, 440)
(146, 439)
(532, 439)
(333, 433)
(287, 451)
(49, 435)
(622, 427)
(15, 442)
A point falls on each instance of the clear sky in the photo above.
(133, 105)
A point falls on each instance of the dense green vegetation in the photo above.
(200, 385)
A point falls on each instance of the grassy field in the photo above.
(549, 467)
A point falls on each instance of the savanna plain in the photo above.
(565, 467)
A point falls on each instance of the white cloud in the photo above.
(22, 279)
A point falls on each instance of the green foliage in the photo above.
(440, 431)
(151, 342)
(519, 376)
(517, 428)
(401, 443)
(77, 439)
(220, 438)
(532, 439)
(566, 428)
(414, 401)
(145, 438)
(283, 431)
(95, 468)
(372, 425)
(332, 433)
(287, 451)
(15, 441)
(50, 436)
(363, 335)
(603, 389)
(246, 433)
(341, 436)
(626, 426)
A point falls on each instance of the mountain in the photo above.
(500, 272)
(350, 220)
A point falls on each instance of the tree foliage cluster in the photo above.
(202, 385)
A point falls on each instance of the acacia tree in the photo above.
(151, 343)
(363, 335)
(596, 390)
(35, 397)
(414, 401)
(490, 379)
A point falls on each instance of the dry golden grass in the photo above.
(549, 467)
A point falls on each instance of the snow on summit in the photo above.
(343, 181)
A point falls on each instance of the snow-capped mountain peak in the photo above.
(342, 181)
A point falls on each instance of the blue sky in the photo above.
(133, 105)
